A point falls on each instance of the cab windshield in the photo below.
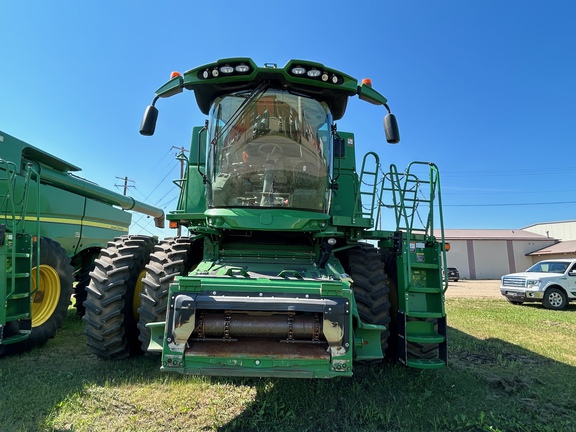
(269, 149)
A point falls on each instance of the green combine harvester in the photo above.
(53, 225)
(286, 271)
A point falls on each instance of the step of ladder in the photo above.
(15, 257)
(426, 336)
(418, 289)
(425, 364)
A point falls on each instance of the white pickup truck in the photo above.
(551, 282)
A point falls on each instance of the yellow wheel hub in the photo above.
(46, 298)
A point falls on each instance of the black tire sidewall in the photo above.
(53, 255)
(547, 303)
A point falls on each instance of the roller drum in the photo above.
(235, 325)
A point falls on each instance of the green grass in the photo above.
(511, 368)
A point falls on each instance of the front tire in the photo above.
(555, 299)
(172, 257)
(514, 302)
(113, 295)
(370, 287)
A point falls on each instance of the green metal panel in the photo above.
(75, 222)
(267, 219)
(229, 285)
(347, 178)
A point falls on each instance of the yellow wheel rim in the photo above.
(137, 291)
(46, 298)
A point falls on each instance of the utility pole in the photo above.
(126, 186)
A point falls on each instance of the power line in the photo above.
(126, 185)
(509, 204)
(506, 172)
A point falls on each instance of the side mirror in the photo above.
(391, 129)
(148, 124)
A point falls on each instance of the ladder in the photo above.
(16, 247)
(420, 318)
(420, 258)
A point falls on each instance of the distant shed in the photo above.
(561, 230)
(565, 249)
(491, 253)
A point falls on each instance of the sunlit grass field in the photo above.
(511, 368)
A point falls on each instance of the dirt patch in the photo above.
(474, 289)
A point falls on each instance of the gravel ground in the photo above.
(474, 288)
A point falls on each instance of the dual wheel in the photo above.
(129, 288)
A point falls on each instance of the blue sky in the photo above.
(485, 89)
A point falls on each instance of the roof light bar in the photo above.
(224, 69)
(313, 73)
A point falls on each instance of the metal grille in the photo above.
(514, 282)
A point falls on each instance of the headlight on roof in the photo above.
(242, 68)
(298, 70)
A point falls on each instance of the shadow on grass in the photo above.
(33, 384)
(488, 385)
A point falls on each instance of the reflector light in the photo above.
(242, 68)
(313, 73)
(227, 69)
(298, 70)
(173, 224)
(175, 74)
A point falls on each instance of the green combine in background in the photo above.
(286, 271)
(53, 225)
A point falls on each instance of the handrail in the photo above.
(405, 189)
(359, 208)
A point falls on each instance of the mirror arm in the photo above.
(334, 181)
(198, 159)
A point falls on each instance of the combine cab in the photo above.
(285, 273)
